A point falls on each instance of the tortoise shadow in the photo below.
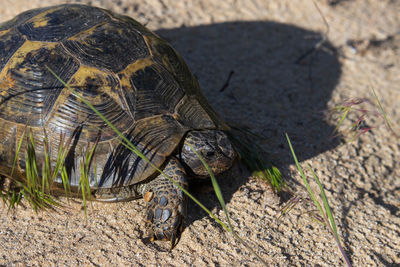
(280, 85)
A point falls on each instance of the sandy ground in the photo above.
(272, 92)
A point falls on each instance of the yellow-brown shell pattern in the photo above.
(133, 77)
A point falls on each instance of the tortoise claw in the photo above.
(164, 229)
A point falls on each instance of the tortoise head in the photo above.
(213, 146)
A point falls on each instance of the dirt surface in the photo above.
(277, 87)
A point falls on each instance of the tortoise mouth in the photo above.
(200, 171)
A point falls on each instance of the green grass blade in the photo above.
(336, 130)
(330, 217)
(388, 123)
(326, 203)
(84, 184)
(65, 181)
(327, 216)
(307, 185)
(59, 168)
(17, 152)
(216, 187)
(46, 170)
(28, 170)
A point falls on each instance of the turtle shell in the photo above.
(129, 74)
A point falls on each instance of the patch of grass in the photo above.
(325, 215)
(363, 109)
(37, 186)
(358, 127)
(32, 186)
(255, 157)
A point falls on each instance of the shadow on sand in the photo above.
(278, 86)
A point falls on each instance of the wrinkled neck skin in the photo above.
(213, 146)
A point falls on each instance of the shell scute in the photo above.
(57, 23)
(109, 45)
(35, 89)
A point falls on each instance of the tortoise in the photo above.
(131, 76)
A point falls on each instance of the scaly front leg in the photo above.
(166, 203)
